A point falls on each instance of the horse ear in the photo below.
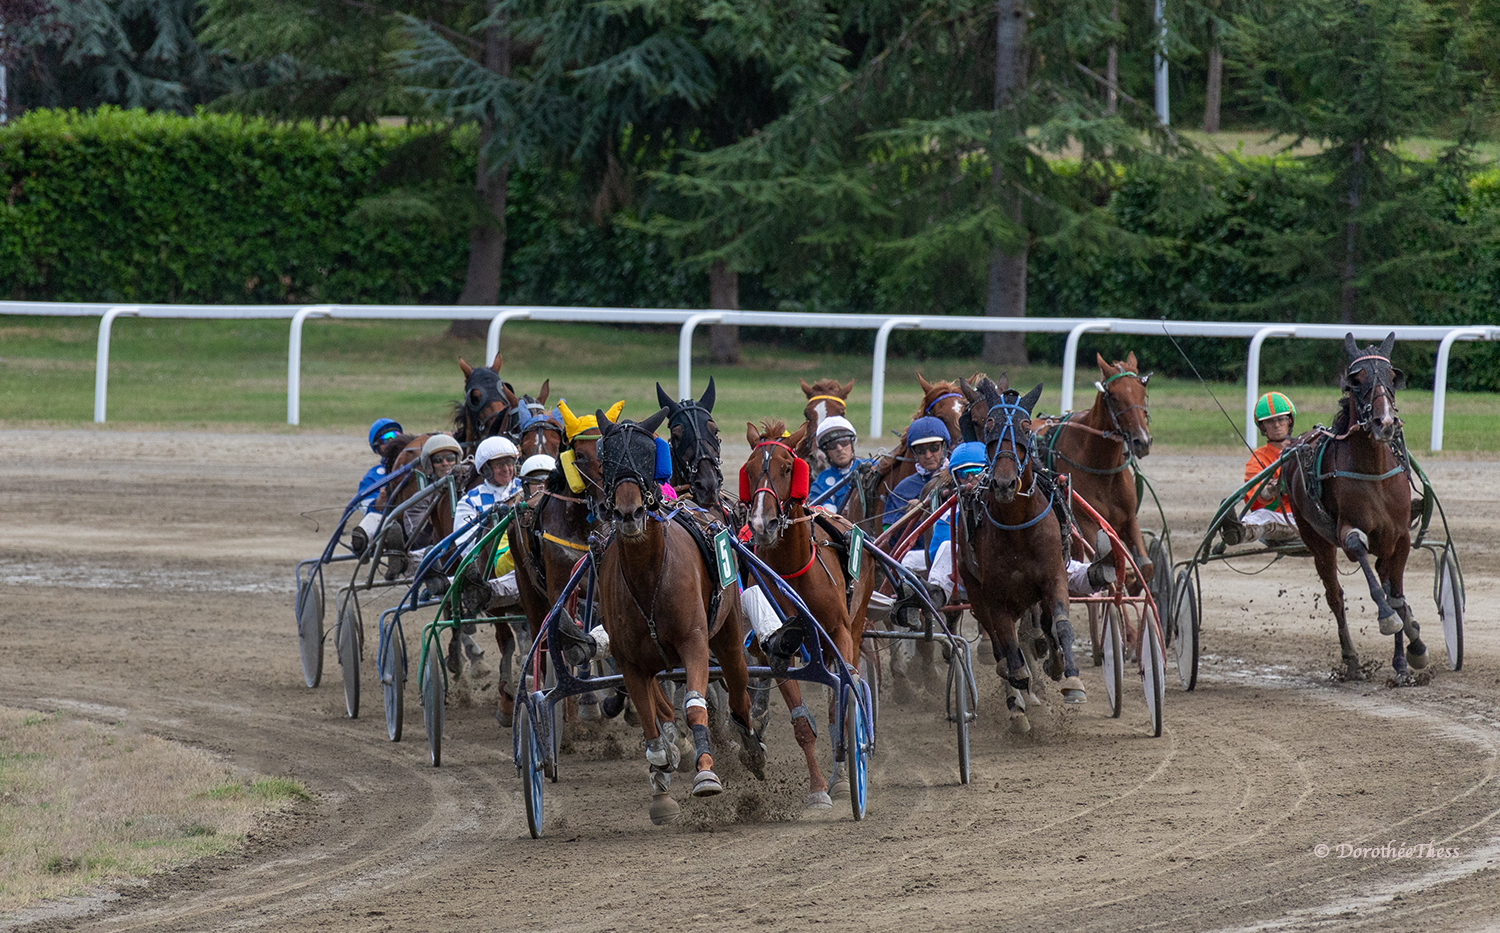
(511, 399)
(1002, 385)
(752, 434)
(1130, 361)
(797, 437)
(807, 390)
(990, 391)
(926, 386)
(707, 399)
(495, 365)
(1398, 379)
(971, 395)
(604, 423)
(1029, 400)
(1387, 345)
(1103, 364)
(966, 426)
(1350, 347)
(848, 387)
(465, 368)
(662, 397)
(541, 397)
(652, 423)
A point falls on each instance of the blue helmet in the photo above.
(966, 457)
(384, 429)
(927, 429)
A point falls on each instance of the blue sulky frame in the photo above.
(534, 738)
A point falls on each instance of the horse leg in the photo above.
(1062, 633)
(695, 662)
(1326, 562)
(1357, 546)
(661, 752)
(1011, 665)
(806, 732)
(1395, 577)
(505, 700)
(727, 644)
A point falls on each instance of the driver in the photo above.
(1269, 520)
(382, 432)
(928, 441)
(494, 586)
(836, 438)
(439, 456)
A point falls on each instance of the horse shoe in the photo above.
(706, 784)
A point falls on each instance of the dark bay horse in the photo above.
(1095, 449)
(696, 471)
(486, 401)
(1349, 488)
(799, 545)
(1009, 549)
(662, 604)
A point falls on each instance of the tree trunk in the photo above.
(723, 295)
(1112, 67)
(1006, 296)
(1349, 294)
(487, 238)
(1215, 86)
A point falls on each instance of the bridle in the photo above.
(994, 441)
(625, 468)
(1381, 381)
(1115, 412)
(763, 483)
(705, 447)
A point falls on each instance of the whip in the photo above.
(1204, 383)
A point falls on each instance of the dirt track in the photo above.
(147, 579)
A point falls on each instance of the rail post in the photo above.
(685, 350)
(1440, 377)
(1252, 374)
(1070, 359)
(877, 372)
(492, 339)
(101, 359)
(294, 360)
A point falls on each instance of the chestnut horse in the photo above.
(1009, 549)
(661, 603)
(944, 401)
(799, 546)
(1094, 448)
(1349, 489)
(825, 399)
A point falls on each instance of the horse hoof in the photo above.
(613, 705)
(819, 800)
(664, 810)
(706, 784)
(1073, 692)
(1417, 659)
(754, 761)
(1019, 724)
(840, 789)
(1391, 624)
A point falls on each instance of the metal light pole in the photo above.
(1162, 114)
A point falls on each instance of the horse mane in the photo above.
(938, 389)
(1345, 417)
(827, 387)
(772, 429)
(460, 425)
(557, 481)
(394, 449)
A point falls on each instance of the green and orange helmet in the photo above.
(1274, 405)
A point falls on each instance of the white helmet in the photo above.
(436, 443)
(492, 448)
(833, 427)
(538, 465)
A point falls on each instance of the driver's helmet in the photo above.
(494, 448)
(927, 429)
(538, 466)
(381, 433)
(835, 428)
(436, 443)
(1272, 405)
(967, 458)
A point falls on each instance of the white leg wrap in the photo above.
(370, 522)
(941, 575)
(1078, 578)
(763, 620)
(694, 698)
(1268, 526)
(601, 639)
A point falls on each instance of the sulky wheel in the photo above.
(1153, 670)
(1184, 623)
(869, 678)
(310, 628)
(1114, 657)
(432, 702)
(856, 750)
(1449, 592)
(529, 764)
(958, 710)
(346, 635)
(1161, 576)
(393, 681)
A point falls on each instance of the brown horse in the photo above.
(694, 442)
(1094, 448)
(1009, 548)
(662, 606)
(1349, 489)
(826, 398)
(800, 547)
(942, 400)
(486, 403)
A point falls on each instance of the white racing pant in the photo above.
(1078, 578)
(1268, 526)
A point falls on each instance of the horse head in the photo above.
(627, 458)
(1122, 392)
(695, 445)
(1370, 385)
(1007, 435)
(825, 399)
(485, 404)
(773, 475)
(540, 433)
(942, 400)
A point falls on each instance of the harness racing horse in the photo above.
(662, 606)
(486, 404)
(1348, 489)
(695, 450)
(944, 401)
(537, 431)
(801, 547)
(1095, 448)
(825, 399)
(1008, 542)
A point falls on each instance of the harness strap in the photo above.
(827, 398)
(564, 542)
(808, 566)
(928, 409)
(1367, 477)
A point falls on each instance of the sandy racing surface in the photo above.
(147, 578)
